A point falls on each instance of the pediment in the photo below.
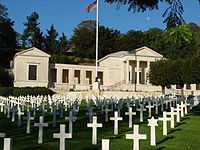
(145, 51)
(33, 52)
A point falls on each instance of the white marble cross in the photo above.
(164, 119)
(136, 137)
(182, 106)
(1, 107)
(105, 144)
(153, 123)
(150, 107)
(7, 144)
(94, 125)
(116, 118)
(130, 113)
(90, 113)
(172, 114)
(141, 110)
(41, 125)
(177, 109)
(2, 135)
(106, 113)
(13, 114)
(186, 107)
(62, 136)
(29, 118)
(71, 119)
(19, 114)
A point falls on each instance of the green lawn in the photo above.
(186, 136)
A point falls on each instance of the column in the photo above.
(147, 72)
(138, 73)
(59, 75)
(83, 77)
(71, 76)
(93, 76)
(131, 73)
(127, 71)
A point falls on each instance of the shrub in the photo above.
(14, 91)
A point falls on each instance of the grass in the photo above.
(184, 137)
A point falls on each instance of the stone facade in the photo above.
(120, 71)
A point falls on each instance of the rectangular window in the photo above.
(89, 76)
(32, 72)
(77, 75)
(197, 86)
(140, 78)
(53, 73)
(100, 76)
(188, 86)
(65, 76)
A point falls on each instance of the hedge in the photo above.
(34, 91)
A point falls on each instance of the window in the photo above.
(77, 75)
(100, 76)
(65, 78)
(188, 86)
(53, 75)
(89, 76)
(197, 86)
(32, 72)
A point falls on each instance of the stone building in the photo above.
(117, 71)
(120, 71)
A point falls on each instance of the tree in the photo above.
(32, 35)
(63, 43)
(173, 14)
(131, 40)
(160, 74)
(51, 40)
(7, 37)
(84, 42)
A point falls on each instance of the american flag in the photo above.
(91, 6)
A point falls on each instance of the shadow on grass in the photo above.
(160, 148)
(185, 118)
(179, 124)
(165, 139)
(174, 130)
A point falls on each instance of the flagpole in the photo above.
(97, 36)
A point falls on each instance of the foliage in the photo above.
(84, 41)
(51, 40)
(131, 40)
(63, 43)
(7, 37)
(176, 72)
(32, 35)
(5, 78)
(59, 58)
(173, 15)
(35, 91)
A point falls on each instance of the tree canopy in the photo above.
(173, 15)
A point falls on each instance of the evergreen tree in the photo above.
(63, 43)
(7, 37)
(32, 35)
(51, 40)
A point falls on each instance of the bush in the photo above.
(14, 91)
(5, 78)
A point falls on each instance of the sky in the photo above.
(67, 14)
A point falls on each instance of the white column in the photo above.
(71, 76)
(127, 71)
(83, 77)
(147, 72)
(131, 73)
(137, 70)
(93, 76)
(59, 75)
